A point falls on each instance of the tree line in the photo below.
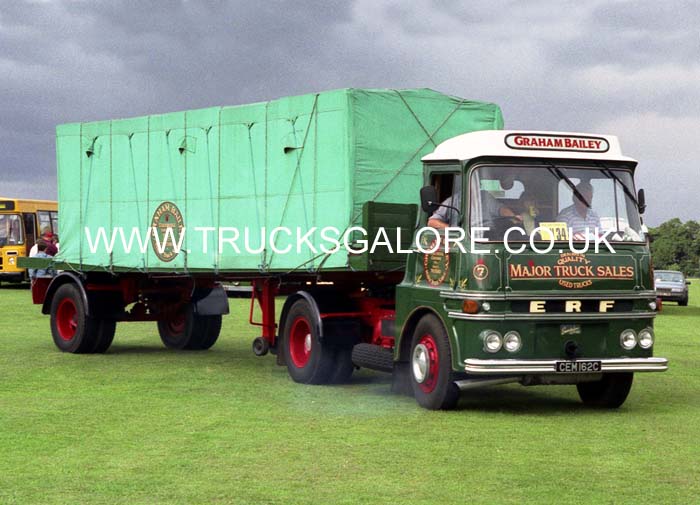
(676, 246)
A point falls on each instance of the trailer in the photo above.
(332, 200)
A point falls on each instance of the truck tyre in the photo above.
(105, 336)
(431, 366)
(609, 392)
(683, 302)
(309, 361)
(209, 338)
(343, 367)
(189, 331)
(72, 330)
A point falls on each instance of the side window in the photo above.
(449, 190)
(44, 221)
(29, 228)
(54, 222)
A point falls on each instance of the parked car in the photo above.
(671, 286)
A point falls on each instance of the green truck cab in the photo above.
(496, 307)
(485, 282)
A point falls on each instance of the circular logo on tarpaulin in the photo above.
(436, 266)
(480, 270)
(167, 224)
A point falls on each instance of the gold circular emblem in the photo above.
(480, 271)
(167, 224)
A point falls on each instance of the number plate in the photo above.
(577, 366)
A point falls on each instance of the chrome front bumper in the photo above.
(537, 366)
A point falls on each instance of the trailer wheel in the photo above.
(189, 331)
(309, 361)
(72, 330)
(211, 335)
(431, 366)
(105, 336)
(343, 366)
(609, 392)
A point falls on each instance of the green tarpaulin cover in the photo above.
(303, 161)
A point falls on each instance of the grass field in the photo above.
(142, 424)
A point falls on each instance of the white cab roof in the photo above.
(529, 144)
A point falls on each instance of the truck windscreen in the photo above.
(556, 202)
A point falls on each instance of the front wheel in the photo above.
(609, 392)
(431, 366)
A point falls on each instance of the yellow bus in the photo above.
(22, 222)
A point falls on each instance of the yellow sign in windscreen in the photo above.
(556, 229)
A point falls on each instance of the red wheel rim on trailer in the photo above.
(300, 342)
(67, 319)
(176, 325)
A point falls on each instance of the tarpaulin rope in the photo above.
(430, 137)
(401, 169)
(217, 256)
(296, 172)
(252, 166)
(408, 162)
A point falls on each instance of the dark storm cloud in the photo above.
(81, 61)
(628, 67)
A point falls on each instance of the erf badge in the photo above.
(167, 225)
(480, 270)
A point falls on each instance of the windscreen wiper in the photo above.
(607, 171)
(559, 175)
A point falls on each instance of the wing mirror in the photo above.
(641, 201)
(429, 199)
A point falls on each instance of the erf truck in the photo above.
(528, 292)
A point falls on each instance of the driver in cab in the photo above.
(448, 215)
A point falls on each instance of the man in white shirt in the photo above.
(580, 215)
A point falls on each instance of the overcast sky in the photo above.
(629, 68)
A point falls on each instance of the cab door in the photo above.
(436, 265)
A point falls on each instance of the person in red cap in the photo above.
(47, 238)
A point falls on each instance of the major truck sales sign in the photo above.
(572, 270)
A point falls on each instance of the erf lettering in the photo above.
(540, 306)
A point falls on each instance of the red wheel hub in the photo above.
(300, 342)
(425, 363)
(67, 319)
(176, 325)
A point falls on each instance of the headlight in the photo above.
(646, 338)
(492, 341)
(486, 306)
(628, 339)
(512, 341)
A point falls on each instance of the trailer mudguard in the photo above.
(210, 301)
(58, 281)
